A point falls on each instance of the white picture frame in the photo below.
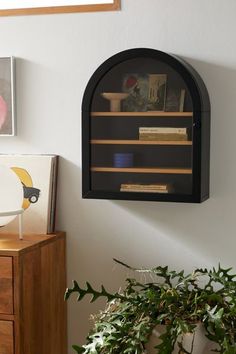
(7, 97)
(36, 175)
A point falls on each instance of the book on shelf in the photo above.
(163, 133)
(163, 137)
(141, 185)
(145, 188)
(162, 130)
(38, 176)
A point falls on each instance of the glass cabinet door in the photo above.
(141, 131)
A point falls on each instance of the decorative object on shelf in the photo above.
(163, 134)
(156, 92)
(171, 147)
(32, 7)
(7, 96)
(180, 302)
(146, 92)
(115, 99)
(137, 87)
(18, 213)
(123, 160)
(175, 100)
(35, 176)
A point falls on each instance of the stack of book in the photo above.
(145, 188)
(163, 133)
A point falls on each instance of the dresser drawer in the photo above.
(6, 286)
(6, 337)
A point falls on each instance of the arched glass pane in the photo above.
(141, 129)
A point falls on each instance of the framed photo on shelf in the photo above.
(146, 92)
(32, 7)
(7, 97)
(175, 100)
(136, 85)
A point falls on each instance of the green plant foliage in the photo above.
(177, 300)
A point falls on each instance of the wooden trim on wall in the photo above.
(116, 5)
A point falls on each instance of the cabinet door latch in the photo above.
(197, 125)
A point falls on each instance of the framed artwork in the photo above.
(146, 92)
(29, 182)
(7, 97)
(175, 100)
(33, 7)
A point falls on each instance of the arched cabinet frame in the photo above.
(200, 153)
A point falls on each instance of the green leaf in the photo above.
(78, 349)
(90, 291)
(172, 298)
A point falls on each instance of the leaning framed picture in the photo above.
(40, 7)
(146, 92)
(7, 96)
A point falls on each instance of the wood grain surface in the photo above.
(6, 337)
(36, 275)
(6, 285)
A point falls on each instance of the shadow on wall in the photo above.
(89, 225)
(90, 247)
(208, 228)
(205, 228)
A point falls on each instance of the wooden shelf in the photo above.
(142, 114)
(138, 142)
(187, 171)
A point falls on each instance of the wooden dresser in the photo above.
(32, 286)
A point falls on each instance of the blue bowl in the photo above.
(123, 160)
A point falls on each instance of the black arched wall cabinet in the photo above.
(146, 130)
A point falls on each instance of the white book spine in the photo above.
(162, 130)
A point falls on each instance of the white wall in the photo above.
(57, 54)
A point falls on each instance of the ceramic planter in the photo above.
(201, 345)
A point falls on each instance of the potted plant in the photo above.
(179, 302)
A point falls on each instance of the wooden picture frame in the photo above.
(37, 7)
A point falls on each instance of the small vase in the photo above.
(115, 99)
